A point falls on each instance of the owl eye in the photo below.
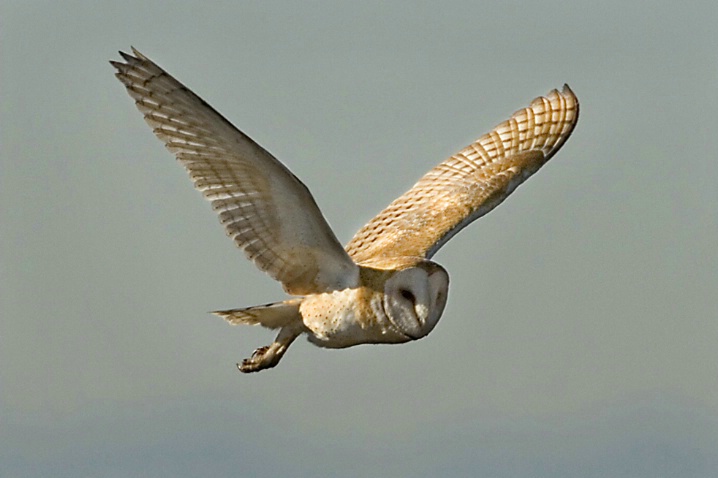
(408, 295)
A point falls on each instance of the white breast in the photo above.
(348, 317)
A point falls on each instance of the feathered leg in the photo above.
(280, 315)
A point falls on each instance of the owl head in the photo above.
(414, 298)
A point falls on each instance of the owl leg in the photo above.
(270, 355)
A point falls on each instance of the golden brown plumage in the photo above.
(470, 183)
(382, 288)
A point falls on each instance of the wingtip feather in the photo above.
(567, 91)
(138, 54)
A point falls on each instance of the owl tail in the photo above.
(271, 316)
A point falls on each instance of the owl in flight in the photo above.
(382, 287)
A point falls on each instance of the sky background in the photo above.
(581, 333)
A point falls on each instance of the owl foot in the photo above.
(263, 357)
(270, 355)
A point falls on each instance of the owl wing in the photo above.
(267, 210)
(470, 183)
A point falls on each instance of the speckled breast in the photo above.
(348, 317)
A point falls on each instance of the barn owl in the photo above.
(382, 287)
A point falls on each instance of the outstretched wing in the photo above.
(470, 183)
(267, 210)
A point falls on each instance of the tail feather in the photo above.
(271, 316)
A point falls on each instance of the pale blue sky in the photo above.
(581, 333)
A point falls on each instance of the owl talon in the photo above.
(260, 352)
(270, 355)
(263, 357)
